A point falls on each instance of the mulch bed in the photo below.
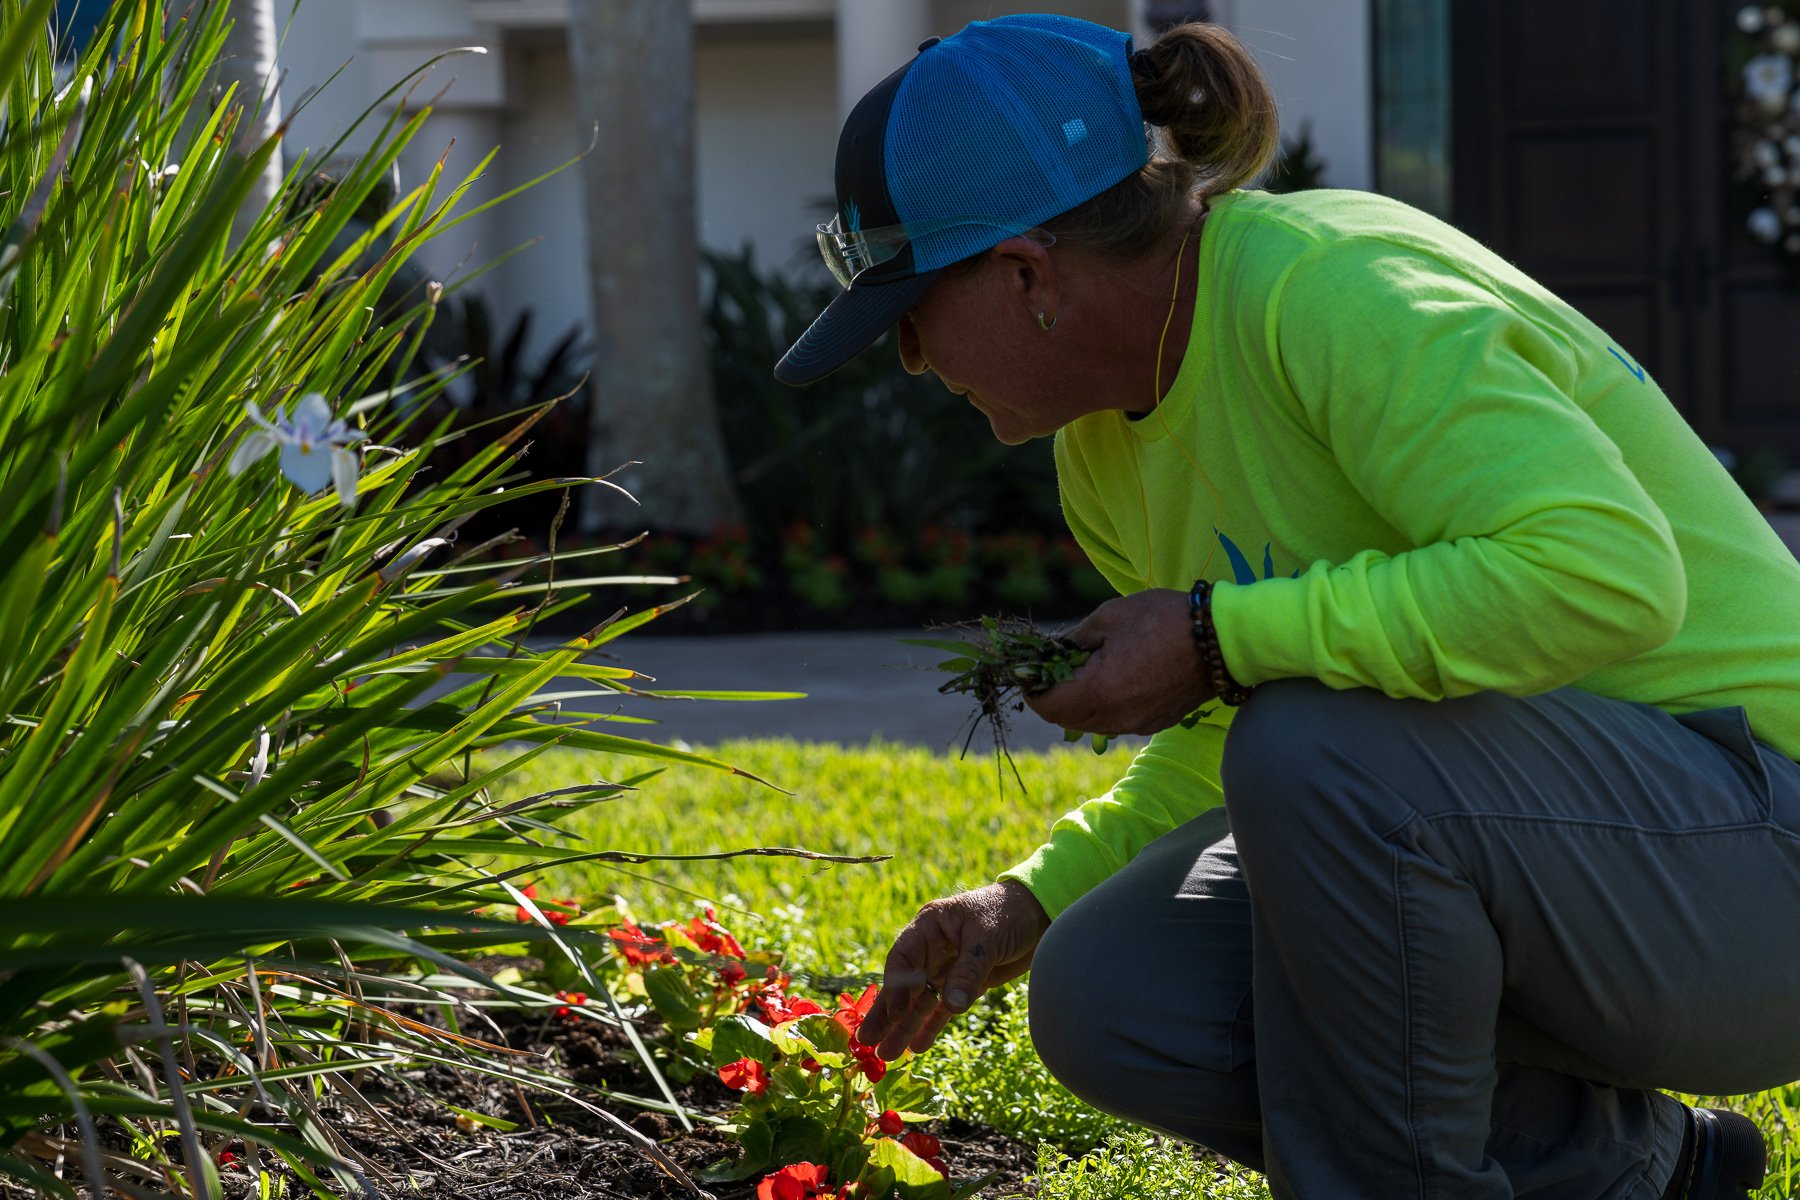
(564, 1152)
(406, 1141)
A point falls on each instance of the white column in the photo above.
(1318, 60)
(873, 38)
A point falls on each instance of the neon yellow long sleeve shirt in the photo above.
(1407, 466)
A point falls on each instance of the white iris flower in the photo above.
(315, 447)
(1767, 78)
(1765, 225)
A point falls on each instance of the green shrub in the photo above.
(868, 447)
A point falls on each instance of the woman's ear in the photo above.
(1029, 276)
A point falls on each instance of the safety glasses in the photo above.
(850, 252)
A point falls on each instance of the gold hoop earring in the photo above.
(1046, 322)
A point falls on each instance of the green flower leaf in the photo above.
(674, 999)
(800, 1139)
(757, 1140)
(739, 1037)
(906, 1172)
(901, 1089)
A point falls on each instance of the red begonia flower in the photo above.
(890, 1122)
(711, 937)
(850, 1013)
(927, 1148)
(639, 948)
(871, 1063)
(799, 1181)
(779, 1010)
(746, 1075)
(731, 974)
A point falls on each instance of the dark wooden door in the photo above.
(1589, 148)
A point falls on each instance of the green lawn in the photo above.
(948, 824)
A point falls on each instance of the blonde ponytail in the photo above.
(1213, 103)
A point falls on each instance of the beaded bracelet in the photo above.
(1212, 658)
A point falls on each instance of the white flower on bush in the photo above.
(1786, 38)
(315, 446)
(1750, 19)
(1767, 78)
(1764, 225)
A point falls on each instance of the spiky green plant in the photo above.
(240, 831)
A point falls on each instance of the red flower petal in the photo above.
(922, 1144)
(873, 1067)
(746, 1075)
(779, 1013)
(800, 1181)
(638, 947)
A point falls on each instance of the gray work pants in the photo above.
(1445, 950)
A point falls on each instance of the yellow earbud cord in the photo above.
(1143, 498)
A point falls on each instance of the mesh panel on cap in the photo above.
(1015, 121)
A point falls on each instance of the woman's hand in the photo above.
(1145, 673)
(955, 949)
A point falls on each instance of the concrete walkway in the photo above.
(858, 686)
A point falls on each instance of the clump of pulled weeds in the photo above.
(998, 662)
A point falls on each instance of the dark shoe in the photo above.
(1723, 1157)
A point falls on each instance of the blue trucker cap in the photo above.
(982, 136)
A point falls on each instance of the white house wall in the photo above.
(767, 111)
(1318, 57)
(766, 135)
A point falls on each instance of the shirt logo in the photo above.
(1241, 570)
(1638, 371)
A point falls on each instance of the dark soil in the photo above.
(400, 1133)
(564, 1152)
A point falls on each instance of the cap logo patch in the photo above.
(1074, 130)
(852, 216)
